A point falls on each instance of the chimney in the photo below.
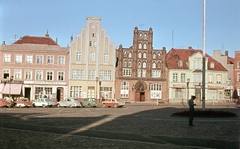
(47, 35)
(71, 39)
(3, 43)
(226, 53)
(190, 48)
(56, 40)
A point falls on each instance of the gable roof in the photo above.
(35, 40)
(176, 55)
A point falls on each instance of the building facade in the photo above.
(92, 62)
(236, 92)
(34, 67)
(141, 73)
(185, 77)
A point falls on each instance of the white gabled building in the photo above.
(185, 76)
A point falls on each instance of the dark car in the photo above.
(89, 102)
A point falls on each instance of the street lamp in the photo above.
(188, 80)
(10, 82)
(96, 86)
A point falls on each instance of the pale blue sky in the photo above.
(64, 18)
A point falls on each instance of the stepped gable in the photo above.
(174, 55)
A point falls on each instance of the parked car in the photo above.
(22, 102)
(113, 103)
(238, 104)
(89, 102)
(42, 102)
(69, 102)
(4, 103)
(55, 102)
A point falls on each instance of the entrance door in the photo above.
(137, 96)
(142, 97)
(27, 93)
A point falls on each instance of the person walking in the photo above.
(191, 110)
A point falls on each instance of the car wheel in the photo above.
(33, 105)
(43, 106)
(104, 106)
(115, 106)
(20, 106)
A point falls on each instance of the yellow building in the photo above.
(92, 62)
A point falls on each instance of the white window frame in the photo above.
(124, 90)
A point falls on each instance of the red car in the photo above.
(4, 103)
(113, 103)
(22, 102)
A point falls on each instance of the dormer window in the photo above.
(212, 65)
(180, 63)
(154, 56)
(125, 54)
(130, 55)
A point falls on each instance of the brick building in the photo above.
(34, 67)
(141, 73)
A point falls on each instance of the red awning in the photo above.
(1, 87)
(12, 89)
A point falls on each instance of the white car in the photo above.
(42, 102)
(69, 102)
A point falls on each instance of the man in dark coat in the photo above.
(191, 110)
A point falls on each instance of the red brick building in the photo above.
(34, 67)
(141, 73)
(236, 92)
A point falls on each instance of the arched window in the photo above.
(124, 64)
(144, 64)
(92, 56)
(125, 54)
(154, 56)
(140, 46)
(139, 55)
(129, 64)
(145, 46)
(139, 64)
(144, 55)
(154, 65)
(130, 55)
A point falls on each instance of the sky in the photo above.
(175, 23)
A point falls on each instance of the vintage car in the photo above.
(113, 103)
(22, 102)
(4, 103)
(89, 102)
(69, 102)
(55, 102)
(42, 102)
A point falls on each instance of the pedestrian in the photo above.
(191, 110)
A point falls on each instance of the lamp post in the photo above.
(10, 82)
(188, 80)
(100, 91)
(96, 86)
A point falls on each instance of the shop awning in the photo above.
(1, 87)
(12, 89)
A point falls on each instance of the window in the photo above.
(130, 55)
(154, 65)
(127, 72)
(106, 58)
(124, 64)
(139, 55)
(38, 92)
(144, 55)
(212, 65)
(238, 66)
(92, 56)
(7, 58)
(106, 92)
(159, 54)
(156, 73)
(39, 59)
(77, 74)
(210, 78)
(18, 59)
(183, 77)
(143, 73)
(29, 59)
(91, 75)
(39, 75)
(48, 91)
(60, 76)
(49, 75)
(124, 90)
(155, 91)
(144, 65)
(125, 53)
(76, 91)
(197, 78)
(129, 64)
(78, 56)
(93, 34)
(17, 74)
(219, 78)
(90, 43)
(139, 65)
(94, 43)
(105, 75)
(28, 74)
(180, 63)
(145, 46)
(61, 60)
(239, 78)
(49, 59)
(139, 73)
(6, 73)
(140, 46)
(198, 64)
(175, 77)
(154, 56)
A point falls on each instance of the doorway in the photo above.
(27, 93)
(139, 96)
